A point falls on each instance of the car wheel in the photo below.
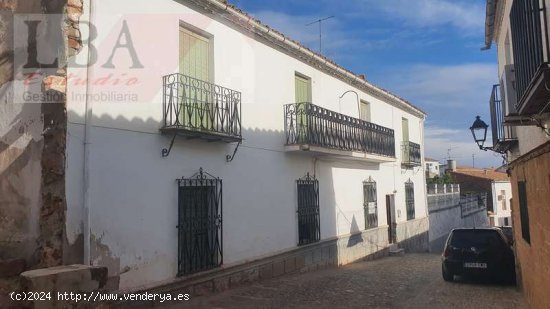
(447, 275)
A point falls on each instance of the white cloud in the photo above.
(439, 139)
(448, 85)
(466, 16)
(452, 95)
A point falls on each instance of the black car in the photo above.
(478, 251)
(508, 232)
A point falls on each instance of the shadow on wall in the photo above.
(297, 165)
(20, 178)
(22, 140)
(21, 145)
(356, 235)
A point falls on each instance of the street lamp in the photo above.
(479, 132)
(358, 103)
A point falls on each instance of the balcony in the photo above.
(197, 109)
(320, 131)
(532, 69)
(504, 136)
(410, 154)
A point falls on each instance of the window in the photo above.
(524, 211)
(406, 153)
(196, 63)
(196, 55)
(409, 199)
(370, 203)
(302, 97)
(302, 88)
(503, 197)
(309, 230)
(365, 111)
(405, 129)
(199, 223)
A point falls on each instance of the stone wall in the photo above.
(413, 235)
(449, 211)
(52, 224)
(33, 139)
(21, 148)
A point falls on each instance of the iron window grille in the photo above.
(195, 107)
(309, 227)
(409, 199)
(524, 211)
(370, 203)
(410, 154)
(200, 233)
(309, 124)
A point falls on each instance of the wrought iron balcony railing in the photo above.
(504, 136)
(529, 30)
(410, 154)
(309, 124)
(196, 108)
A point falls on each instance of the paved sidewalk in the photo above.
(412, 281)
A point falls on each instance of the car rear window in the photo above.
(475, 238)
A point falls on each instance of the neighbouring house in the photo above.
(496, 184)
(432, 167)
(200, 143)
(520, 121)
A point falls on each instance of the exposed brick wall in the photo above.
(534, 258)
(52, 222)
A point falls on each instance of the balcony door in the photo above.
(405, 133)
(302, 96)
(194, 94)
(195, 55)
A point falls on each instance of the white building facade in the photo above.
(309, 169)
(502, 193)
(432, 168)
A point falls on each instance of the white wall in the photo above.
(498, 209)
(133, 191)
(529, 137)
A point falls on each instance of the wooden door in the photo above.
(390, 214)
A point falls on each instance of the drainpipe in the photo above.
(86, 166)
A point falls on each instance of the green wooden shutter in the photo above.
(365, 110)
(302, 94)
(194, 55)
(302, 89)
(195, 61)
(405, 131)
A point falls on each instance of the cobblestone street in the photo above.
(411, 281)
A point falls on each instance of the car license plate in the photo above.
(475, 265)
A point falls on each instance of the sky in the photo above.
(426, 51)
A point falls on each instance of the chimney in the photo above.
(362, 76)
